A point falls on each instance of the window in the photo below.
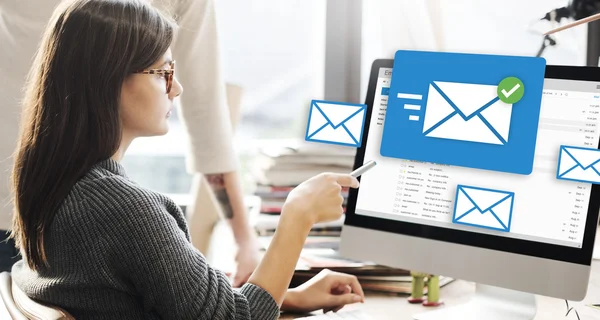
(275, 51)
(465, 26)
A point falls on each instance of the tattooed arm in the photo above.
(228, 191)
(217, 182)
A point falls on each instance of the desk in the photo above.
(459, 291)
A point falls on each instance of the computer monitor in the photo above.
(402, 213)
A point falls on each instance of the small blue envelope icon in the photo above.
(336, 123)
(484, 208)
(579, 164)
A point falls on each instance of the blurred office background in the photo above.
(286, 53)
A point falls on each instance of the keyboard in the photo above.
(348, 315)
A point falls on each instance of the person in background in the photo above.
(205, 116)
(93, 241)
(203, 109)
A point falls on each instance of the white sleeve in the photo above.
(203, 104)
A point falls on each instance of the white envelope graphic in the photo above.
(468, 112)
(336, 123)
(579, 164)
(484, 208)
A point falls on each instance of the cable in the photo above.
(571, 309)
(548, 41)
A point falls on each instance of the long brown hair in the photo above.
(71, 106)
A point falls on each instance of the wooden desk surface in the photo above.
(459, 291)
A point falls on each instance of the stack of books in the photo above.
(287, 163)
(323, 253)
(375, 278)
(266, 224)
(273, 197)
(281, 165)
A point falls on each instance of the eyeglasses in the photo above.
(167, 73)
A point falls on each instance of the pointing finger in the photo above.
(345, 180)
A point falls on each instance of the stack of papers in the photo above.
(321, 252)
(266, 224)
(281, 165)
(290, 162)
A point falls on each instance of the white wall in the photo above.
(474, 26)
(503, 27)
(271, 47)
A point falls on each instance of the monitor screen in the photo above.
(403, 193)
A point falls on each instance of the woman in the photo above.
(97, 244)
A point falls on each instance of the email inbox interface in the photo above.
(536, 207)
(449, 108)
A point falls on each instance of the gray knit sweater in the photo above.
(119, 251)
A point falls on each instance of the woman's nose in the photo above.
(176, 90)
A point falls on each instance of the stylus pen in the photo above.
(364, 168)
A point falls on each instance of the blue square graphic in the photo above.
(445, 108)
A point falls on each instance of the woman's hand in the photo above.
(328, 290)
(319, 199)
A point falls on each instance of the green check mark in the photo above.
(511, 90)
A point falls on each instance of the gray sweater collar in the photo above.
(113, 166)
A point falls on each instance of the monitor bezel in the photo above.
(581, 255)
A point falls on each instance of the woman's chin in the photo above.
(159, 130)
(165, 129)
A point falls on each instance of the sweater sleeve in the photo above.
(150, 250)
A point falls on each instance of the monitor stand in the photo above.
(490, 303)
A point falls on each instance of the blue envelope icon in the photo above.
(445, 108)
(579, 164)
(336, 123)
(483, 208)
